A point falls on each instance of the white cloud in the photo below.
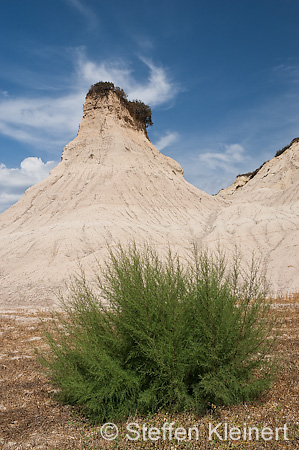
(159, 88)
(13, 182)
(117, 71)
(227, 160)
(7, 200)
(156, 90)
(165, 141)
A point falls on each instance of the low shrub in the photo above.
(160, 335)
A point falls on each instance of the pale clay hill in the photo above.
(112, 185)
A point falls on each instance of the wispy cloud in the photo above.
(143, 42)
(255, 133)
(212, 170)
(227, 160)
(158, 89)
(42, 122)
(85, 10)
(116, 71)
(285, 68)
(14, 181)
(49, 120)
(168, 139)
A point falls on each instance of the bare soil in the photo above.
(31, 417)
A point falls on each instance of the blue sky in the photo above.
(221, 76)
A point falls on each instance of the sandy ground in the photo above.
(31, 418)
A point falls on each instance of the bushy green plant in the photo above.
(162, 335)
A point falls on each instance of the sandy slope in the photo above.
(111, 185)
(264, 215)
(114, 185)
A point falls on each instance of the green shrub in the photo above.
(160, 335)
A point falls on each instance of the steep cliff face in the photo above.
(111, 185)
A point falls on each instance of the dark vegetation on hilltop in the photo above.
(251, 174)
(278, 153)
(139, 111)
